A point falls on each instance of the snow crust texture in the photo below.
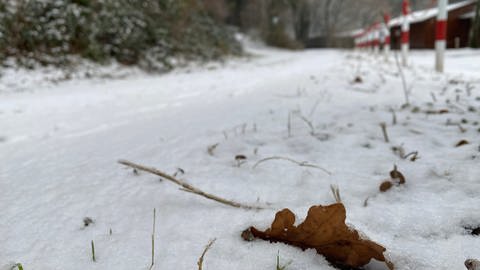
(59, 146)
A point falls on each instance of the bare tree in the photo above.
(306, 18)
(216, 8)
(475, 31)
(301, 18)
(335, 16)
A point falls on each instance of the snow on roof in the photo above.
(469, 15)
(351, 33)
(422, 15)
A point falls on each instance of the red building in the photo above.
(423, 25)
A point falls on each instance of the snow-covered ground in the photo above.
(59, 146)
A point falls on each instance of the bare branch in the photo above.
(302, 164)
(384, 131)
(336, 193)
(308, 122)
(314, 108)
(394, 116)
(211, 148)
(207, 247)
(186, 186)
(289, 124)
(153, 238)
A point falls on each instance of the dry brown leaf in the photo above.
(358, 79)
(324, 229)
(461, 143)
(395, 174)
(397, 179)
(386, 186)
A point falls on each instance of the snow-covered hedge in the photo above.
(149, 33)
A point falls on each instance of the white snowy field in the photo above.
(59, 146)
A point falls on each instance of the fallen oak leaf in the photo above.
(324, 230)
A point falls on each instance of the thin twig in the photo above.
(289, 124)
(153, 238)
(414, 155)
(399, 150)
(302, 164)
(186, 186)
(211, 148)
(284, 267)
(462, 129)
(207, 247)
(394, 116)
(384, 130)
(93, 252)
(308, 122)
(314, 108)
(336, 193)
(404, 82)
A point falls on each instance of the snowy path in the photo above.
(59, 147)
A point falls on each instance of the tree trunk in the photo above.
(302, 22)
(236, 11)
(475, 31)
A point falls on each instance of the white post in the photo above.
(405, 32)
(441, 35)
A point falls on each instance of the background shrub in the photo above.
(149, 33)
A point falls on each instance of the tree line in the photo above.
(290, 23)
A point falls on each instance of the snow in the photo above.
(61, 142)
(422, 15)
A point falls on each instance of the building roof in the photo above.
(423, 15)
(468, 15)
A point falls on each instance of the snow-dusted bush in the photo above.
(135, 32)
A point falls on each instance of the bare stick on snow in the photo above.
(309, 123)
(312, 111)
(93, 251)
(394, 116)
(187, 187)
(207, 247)
(302, 164)
(289, 124)
(384, 130)
(336, 193)
(153, 238)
